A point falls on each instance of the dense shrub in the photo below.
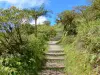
(67, 19)
(47, 32)
(30, 59)
(5, 70)
(82, 51)
(22, 53)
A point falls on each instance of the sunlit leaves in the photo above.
(67, 18)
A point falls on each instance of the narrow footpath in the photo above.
(55, 60)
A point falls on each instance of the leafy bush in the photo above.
(21, 52)
(47, 32)
(67, 19)
(31, 58)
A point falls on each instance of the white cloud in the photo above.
(40, 20)
(10, 1)
(25, 3)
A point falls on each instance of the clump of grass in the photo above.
(77, 62)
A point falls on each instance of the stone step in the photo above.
(55, 65)
(55, 47)
(56, 61)
(52, 42)
(50, 56)
(55, 54)
(51, 72)
(52, 66)
(55, 51)
(55, 58)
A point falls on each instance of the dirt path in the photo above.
(55, 60)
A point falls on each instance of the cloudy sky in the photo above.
(55, 5)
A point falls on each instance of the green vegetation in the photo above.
(21, 48)
(77, 62)
(22, 45)
(82, 49)
(67, 20)
(35, 13)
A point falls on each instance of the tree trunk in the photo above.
(35, 27)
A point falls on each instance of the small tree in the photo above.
(67, 18)
(36, 13)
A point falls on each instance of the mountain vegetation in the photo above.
(81, 39)
(23, 46)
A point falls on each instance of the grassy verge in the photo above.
(77, 62)
(83, 50)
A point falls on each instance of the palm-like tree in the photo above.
(36, 13)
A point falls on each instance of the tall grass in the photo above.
(83, 51)
(77, 62)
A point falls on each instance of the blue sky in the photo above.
(56, 6)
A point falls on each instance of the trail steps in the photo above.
(55, 60)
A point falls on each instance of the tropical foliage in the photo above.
(21, 49)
